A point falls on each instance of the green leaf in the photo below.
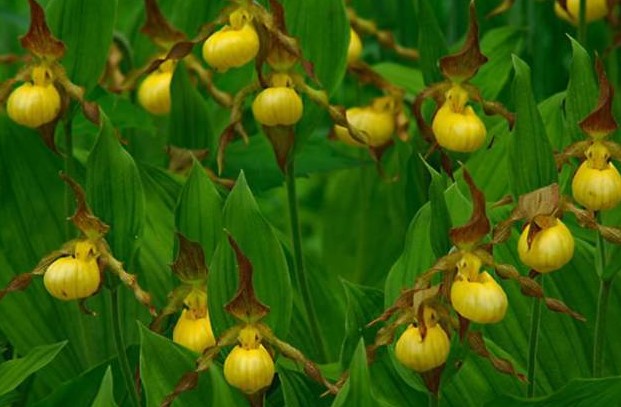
(410, 79)
(357, 389)
(163, 363)
(363, 304)
(15, 371)
(440, 217)
(105, 396)
(431, 42)
(299, 391)
(582, 90)
(81, 389)
(531, 162)
(498, 45)
(189, 119)
(161, 193)
(317, 23)
(581, 392)
(86, 29)
(199, 211)
(259, 243)
(114, 190)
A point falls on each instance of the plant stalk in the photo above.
(602, 305)
(582, 24)
(300, 274)
(119, 343)
(434, 401)
(533, 342)
(70, 171)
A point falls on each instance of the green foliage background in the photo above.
(364, 239)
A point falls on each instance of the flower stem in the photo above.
(602, 305)
(300, 274)
(600, 326)
(119, 343)
(535, 322)
(434, 401)
(70, 171)
(582, 25)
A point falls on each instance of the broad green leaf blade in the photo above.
(440, 217)
(114, 190)
(299, 391)
(161, 192)
(357, 390)
(190, 15)
(581, 392)
(363, 305)
(163, 363)
(189, 119)
(105, 395)
(410, 79)
(86, 29)
(498, 45)
(431, 42)
(582, 90)
(259, 243)
(14, 372)
(531, 162)
(80, 389)
(317, 23)
(199, 211)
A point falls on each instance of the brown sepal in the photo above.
(278, 12)
(478, 226)
(157, 27)
(182, 159)
(282, 139)
(83, 218)
(477, 344)
(189, 266)
(559, 306)
(464, 64)
(47, 132)
(540, 202)
(18, 283)
(245, 305)
(601, 122)
(188, 382)
(91, 112)
(84, 309)
(39, 40)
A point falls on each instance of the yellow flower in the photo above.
(477, 296)
(376, 121)
(233, 45)
(456, 126)
(355, 47)
(420, 354)
(193, 329)
(74, 277)
(154, 91)
(37, 103)
(278, 105)
(550, 249)
(595, 10)
(249, 367)
(597, 183)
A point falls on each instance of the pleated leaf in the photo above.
(531, 163)
(86, 29)
(14, 372)
(199, 211)
(258, 242)
(114, 191)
